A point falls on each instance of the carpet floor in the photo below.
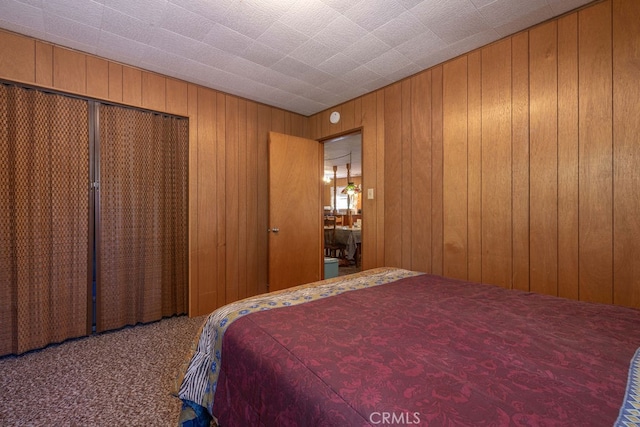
(121, 378)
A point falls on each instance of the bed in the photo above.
(397, 347)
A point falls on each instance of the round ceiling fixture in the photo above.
(334, 117)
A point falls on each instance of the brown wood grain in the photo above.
(474, 165)
(232, 203)
(154, 90)
(69, 71)
(177, 97)
(420, 175)
(393, 175)
(496, 165)
(44, 64)
(406, 187)
(626, 178)
(595, 167)
(568, 286)
(369, 156)
(220, 203)
(253, 231)
(521, 156)
(97, 77)
(454, 179)
(544, 159)
(17, 57)
(115, 82)
(437, 165)
(132, 86)
(194, 255)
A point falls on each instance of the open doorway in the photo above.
(342, 204)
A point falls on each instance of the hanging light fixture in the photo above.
(351, 188)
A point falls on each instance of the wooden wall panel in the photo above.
(380, 177)
(420, 175)
(17, 57)
(207, 242)
(544, 159)
(474, 165)
(393, 175)
(220, 204)
(253, 215)
(264, 126)
(568, 285)
(369, 164)
(454, 180)
(232, 212)
(131, 86)
(69, 71)
(437, 165)
(44, 64)
(595, 169)
(154, 91)
(405, 176)
(496, 164)
(626, 128)
(242, 220)
(521, 156)
(115, 83)
(177, 97)
(194, 257)
(97, 78)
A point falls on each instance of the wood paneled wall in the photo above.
(515, 164)
(227, 164)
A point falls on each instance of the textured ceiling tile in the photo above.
(501, 12)
(403, 72)
(388, 62)
(144, 10)
(263, 54)
(340, 5)
(211, 10)
(119, 48)
(24, 14)
(481, 3)
(209, 55)
(89, 14)
(127, 26)
(399, 29)
(247, 19)
(561, 6)
(72, 30)
(361, 76)
(227, 39)
(340, 33)
(176, 43)
(316, 77)
(421, 46)
(312, 53)
(291, 67)
(446, 28)
(17, 28)
(184, 22)
(244, 67)
(376, 84)
(309, 16)
(153, 56)
(408, 4)
(338, 65)
(366, 48)
(36, 3)
(525, 21)
(71, 43)
(370, 14)
(282, 38)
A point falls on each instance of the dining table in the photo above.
(351, 237)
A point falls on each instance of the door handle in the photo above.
(275, 230)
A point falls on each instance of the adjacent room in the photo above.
(319, 212)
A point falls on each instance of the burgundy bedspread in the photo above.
(428, 351)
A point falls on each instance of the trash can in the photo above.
(330, 267)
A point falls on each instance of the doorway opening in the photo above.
(342, 204)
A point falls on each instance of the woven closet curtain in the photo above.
(44, 217)
(142, 217)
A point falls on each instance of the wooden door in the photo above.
(295, 211)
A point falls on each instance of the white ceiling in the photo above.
(300, 55)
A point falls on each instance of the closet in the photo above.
(93, 217)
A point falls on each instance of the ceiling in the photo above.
(300, 55)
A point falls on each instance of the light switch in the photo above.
(370, 193)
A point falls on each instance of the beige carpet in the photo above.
(121, 378)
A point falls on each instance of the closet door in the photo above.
(141, 217)
(44, 218)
